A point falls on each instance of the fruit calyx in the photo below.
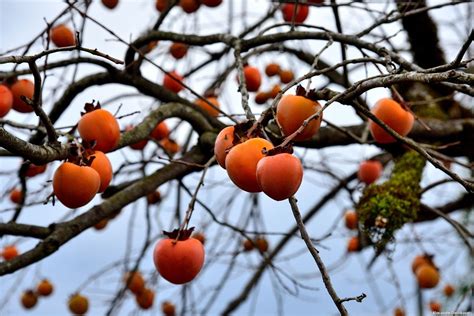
(90, 107)
(246, 130)
(282, 149)
(308, 94)
(179, 234)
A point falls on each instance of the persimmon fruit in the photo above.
(253, 79)
(200, 236)
(212, 111)
(178, 50)
(75, 185)
(261, 244)
(23, 87)
(448, 290)
(145, 298)
(241, 163)
(293, 110)
(62, 36)
(168, 308)
(224, 141)
(272, 69)
(248, 245)
(189, 6)
(101, 224)
(102, 165)
(211, 3)
(353, 245)
(171, 84)
(369, 171)
(427, 276)
(420, 260)
(29, 299)
(16, 195)
(286, 76)
(288, 10)
(161, 131)
(350, 219)
(34, 170)
(78, 304)
(170, 146)
(435, 306)
(9, 252)
(140, 145)
(110, 4)
(399, 312)
(154, 197)
(261, 97)
(279, 176)
(395, 116)
(135, 282)
(101, 126)
(178, 261)
(44, 288)
(6, 100)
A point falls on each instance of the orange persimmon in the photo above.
(395, 116)
(102, 165)
(6, 100)
(369, 171)
(208, 108)
(101, 126)
(23, 87)
(171, 84)
(224, 141)
(62, 36)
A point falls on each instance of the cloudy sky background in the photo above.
(92, 251)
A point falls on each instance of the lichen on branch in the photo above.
(384, 208)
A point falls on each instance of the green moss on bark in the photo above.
(384, 208)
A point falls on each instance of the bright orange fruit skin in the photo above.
(241, 163)
(179, 262)
(253, 79)
(22, 87)
(44, 288)
(16, 196)
(369, 171)
(353, 244)
(392, 114)
(301, 12)
(171, 84)
(161, 131)
(6, 100)
(9, 252)
(224, 141)
(280, 175)
(62, 36)
(350, 219)
(74, 185)
(206, 107)
(102, 165)
(427, 276)
(418, 261)
(292, 110)
(101, 126)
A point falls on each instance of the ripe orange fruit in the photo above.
(261, 97)
(274, 91)
(261, 243)
(170, 146)
(369, 171)
(291, 112)
(102, 165)
(101, 126)
(427, 276)
(9, 252)
(252, 78)
(168, 308)
(199, 236)
(189, 6)
(161, 5)
(101, 224)
(398, 312)
(353, 244)
(211, 3)
(178, 50)
(154, 197)
(145, 298)
(435, 306)
(279, 176)
(288, 11)
(160, 131)
(224, 142)
(110, 3)
(16, 195)
(171, 84)
(448, 290)
(286, 76)
(138, 145)
(74, 185)
(395, 116)
(44, 288)
(272, 69)
(22, 87)
(241, 163)
(350, 219)
(78, 304)
(420, 260)
(62, 36)
(179, 261)
(248, 245)
(135, 282)
(6, 100)
(34, 170)
(206, 107)
(29, 299)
